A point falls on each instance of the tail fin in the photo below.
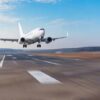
(20, 30)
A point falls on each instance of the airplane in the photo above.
(34, 36)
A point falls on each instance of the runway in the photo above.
(27, 76)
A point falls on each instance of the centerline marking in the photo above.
(51, 62)
(46, 61)
(2, 61)
(43, 78)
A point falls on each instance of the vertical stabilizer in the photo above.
(20, 30)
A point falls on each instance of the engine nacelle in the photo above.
(48, 40)
(22, 40)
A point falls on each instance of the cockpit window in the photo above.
(42, 29)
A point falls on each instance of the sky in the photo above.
(80, 18)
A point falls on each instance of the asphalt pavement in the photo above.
(27, 76)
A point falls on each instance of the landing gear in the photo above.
(39, 46)
(24, 46)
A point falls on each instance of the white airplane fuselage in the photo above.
(34, 36)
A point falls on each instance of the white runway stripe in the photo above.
(9, 55)
(1, 63)
(43, 78)
(49, 62)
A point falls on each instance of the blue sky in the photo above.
(81, 18)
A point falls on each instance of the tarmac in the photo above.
(27, 76)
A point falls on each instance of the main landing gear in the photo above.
(24, 46)
(38, 45)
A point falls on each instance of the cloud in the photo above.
(40, 1)
(4, 5)
(9, 4)
(59, 21)
(47, 1)
(8, 19)
(6, 1)
(64, 22)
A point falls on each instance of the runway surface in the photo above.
(25, 76)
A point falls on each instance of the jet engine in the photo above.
(22, 40)
(48, 40)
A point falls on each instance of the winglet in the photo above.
(20, 30)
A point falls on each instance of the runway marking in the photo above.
(77, 59)
(1, 63)
(43, 78)
(9, 55)
(51, 62)
(47, 61)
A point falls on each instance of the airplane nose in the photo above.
(42, 30)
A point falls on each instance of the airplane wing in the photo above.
(50, 39)
(60, 37)
(12, 40)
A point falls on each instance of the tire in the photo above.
(39, 46)
(24, 46)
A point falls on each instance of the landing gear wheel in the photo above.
(24, 46)
(39, 46)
